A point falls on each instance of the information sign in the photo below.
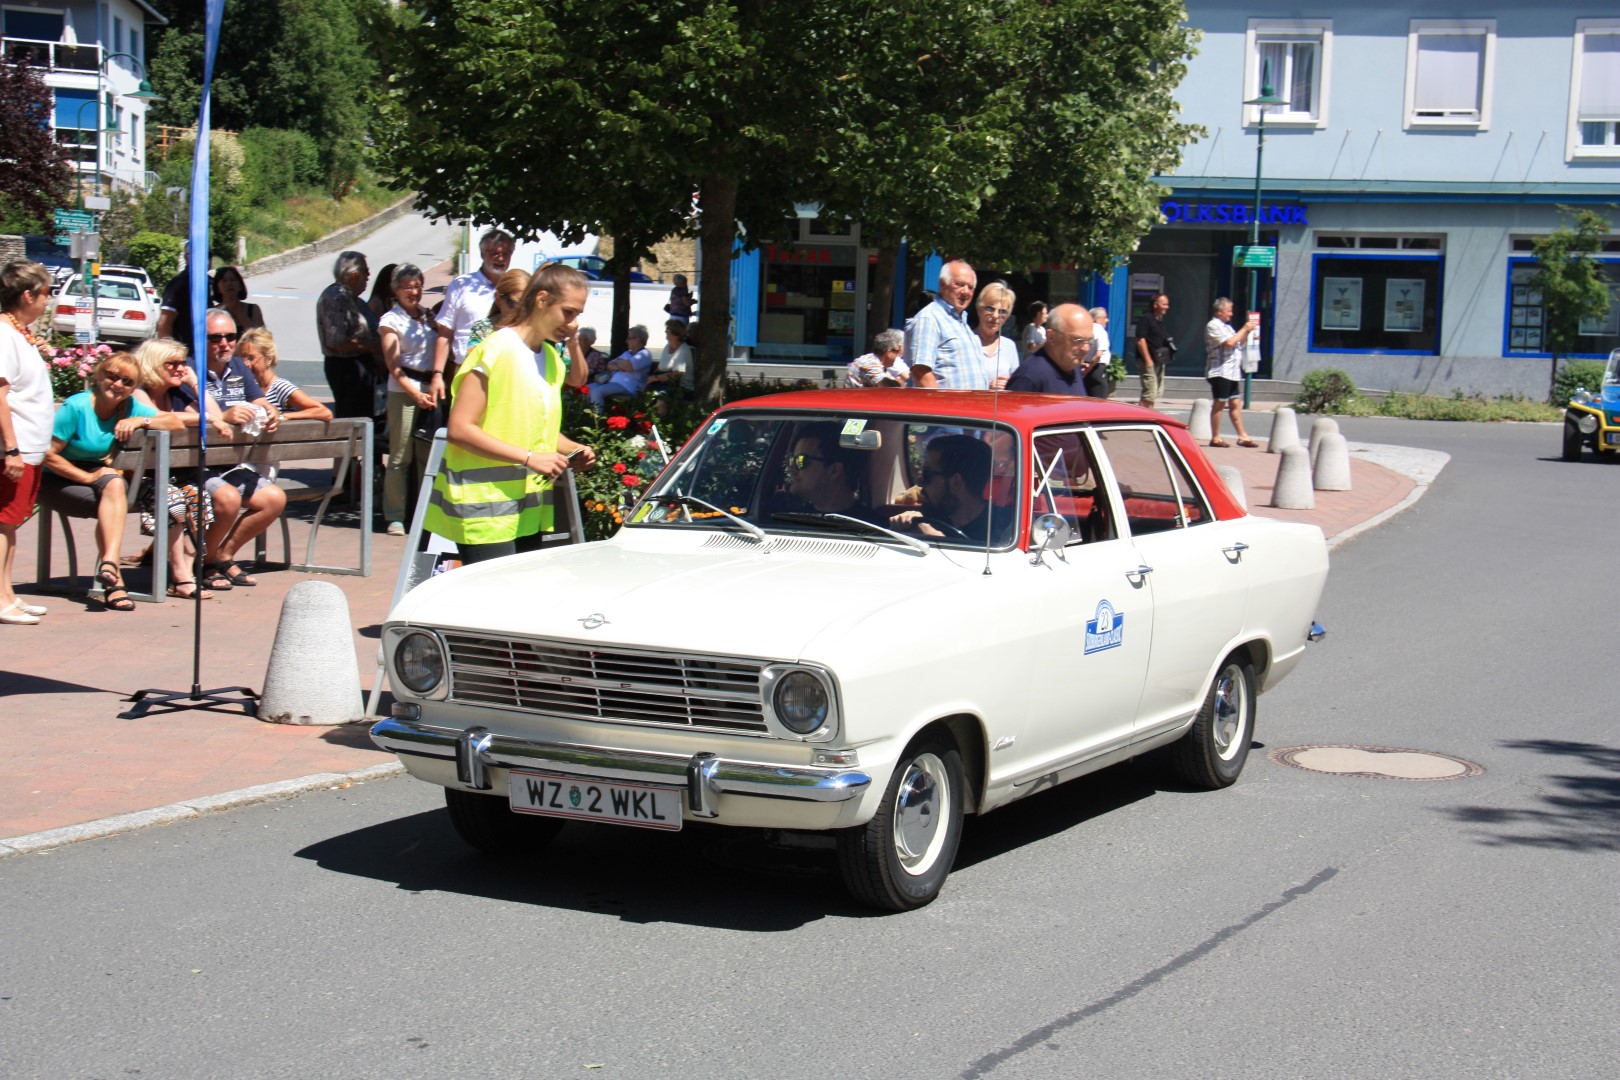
(1255, 256)
(72, 221)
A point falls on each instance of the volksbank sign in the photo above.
(1231, 213)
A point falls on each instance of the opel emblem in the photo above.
(592, 621)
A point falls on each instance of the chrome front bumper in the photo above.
(704, 776)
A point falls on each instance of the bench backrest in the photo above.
(294, 440)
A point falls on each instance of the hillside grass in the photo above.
(310, 215)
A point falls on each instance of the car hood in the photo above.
(708, 599)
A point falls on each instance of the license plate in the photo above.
(555, 795)
(1612, 438)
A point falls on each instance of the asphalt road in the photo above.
(288, 296)
(1296, 925)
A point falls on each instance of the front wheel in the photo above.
(899, 860)
(488, 823)
(1212, 753)
(1573, 440)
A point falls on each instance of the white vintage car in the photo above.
(864, 613)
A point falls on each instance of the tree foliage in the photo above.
(302, 65)
(1015, 131)
(1571, 281)
(36, 174)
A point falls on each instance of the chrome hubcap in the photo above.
(1230, 711)
(919, 806)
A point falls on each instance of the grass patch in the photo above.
(310, 215)
(1459, 406)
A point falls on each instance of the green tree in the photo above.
(1571, 281)
(610, 115)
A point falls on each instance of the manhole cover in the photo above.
(1376, 762)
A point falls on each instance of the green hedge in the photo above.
(1576, 373)
(157, 253)
(1325, 390)
(277, 163)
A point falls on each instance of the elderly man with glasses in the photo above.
(1066, 363)
(943, 351)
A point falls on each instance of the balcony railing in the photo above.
(52, 55)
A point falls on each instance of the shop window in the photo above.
(1376, 303)
(808, 303)
(1339, 241)
(1594, 107)
(1449, 67)
(1295, 55)
(1526, 314)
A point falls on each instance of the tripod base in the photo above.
(223, 699)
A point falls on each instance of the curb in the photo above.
(1422, 467)
(33, 843)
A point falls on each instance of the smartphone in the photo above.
(578, 450)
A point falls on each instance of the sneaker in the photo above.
(396, 528)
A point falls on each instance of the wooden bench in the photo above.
(168, 455)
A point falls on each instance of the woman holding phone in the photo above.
(495, 494)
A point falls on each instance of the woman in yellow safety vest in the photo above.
(493, 496)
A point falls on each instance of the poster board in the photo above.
(1341, 303)
(1403, 304)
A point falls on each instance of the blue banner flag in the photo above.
(197, 254)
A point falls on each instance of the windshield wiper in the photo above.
(689, 501)
(846, 523)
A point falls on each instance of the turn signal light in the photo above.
(66, 309)
(135, 316)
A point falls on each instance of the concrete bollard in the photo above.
(1293, 490)
(1331, 470)
(1198, 421)
(1323, 425)
(1233, 476)
(313, 677)
(1284, 431)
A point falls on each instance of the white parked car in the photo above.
(862, 613)
(124, 311)
(137, 272)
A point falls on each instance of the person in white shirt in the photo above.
(882, 366)
(26, 415)
(467, 299)
(1223, 354)
(1097, 378)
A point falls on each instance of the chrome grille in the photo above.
(588, 683)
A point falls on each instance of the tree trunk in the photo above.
(717, 232)
(621, 307)
(879, 310)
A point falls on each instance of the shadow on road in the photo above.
(706, 875)
(1578, 812)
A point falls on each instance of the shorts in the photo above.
(240, 477)
(1225, 389)
(17, 497)
(70, 497)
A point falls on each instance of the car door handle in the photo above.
(1138, 575)
(1235, 552)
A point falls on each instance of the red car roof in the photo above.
(1023, 411)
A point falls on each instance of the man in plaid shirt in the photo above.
(943, 352)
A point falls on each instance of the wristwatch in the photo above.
(15, 451)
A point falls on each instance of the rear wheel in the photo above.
(487, 823)
(1212, 753)
(900, 859)
(1573, 441)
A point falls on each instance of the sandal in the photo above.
(234, 575)
(1250, 443)
(116, 598)
(215, 579)
(179, 587)
(1219, 442)
(108, 579)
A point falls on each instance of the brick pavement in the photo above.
(71, 759)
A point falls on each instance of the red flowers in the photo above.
(620, 467)
(618, 423)
(632, 480)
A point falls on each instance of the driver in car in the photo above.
(955, 479)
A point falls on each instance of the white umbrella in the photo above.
(69, 37)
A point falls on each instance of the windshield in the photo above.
(878, 477)
(1611, 374)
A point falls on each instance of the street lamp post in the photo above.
(143, 92)
(78, 125)
(1268, 97)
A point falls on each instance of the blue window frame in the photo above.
(1375, 303)
(1523, 312)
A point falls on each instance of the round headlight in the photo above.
(801, 702)
(1587, 423)
(419, 662)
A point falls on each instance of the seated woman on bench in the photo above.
(79, 481)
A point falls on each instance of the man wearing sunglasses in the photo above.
(821, 472)
(242, 399)
(1066, 362)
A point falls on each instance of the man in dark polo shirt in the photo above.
(1153, 350)
(1064, 364)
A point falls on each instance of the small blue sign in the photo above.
(1107, 630)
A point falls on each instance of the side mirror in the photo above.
(1048, 531)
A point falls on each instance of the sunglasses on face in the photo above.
(174, 365)
(122, 380)
(215, 339)
(801, 461)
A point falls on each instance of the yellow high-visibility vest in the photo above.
(480, 500)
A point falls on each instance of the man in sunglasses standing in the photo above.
(242, 487)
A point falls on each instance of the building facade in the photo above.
(93, 56)
(1415, 155)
